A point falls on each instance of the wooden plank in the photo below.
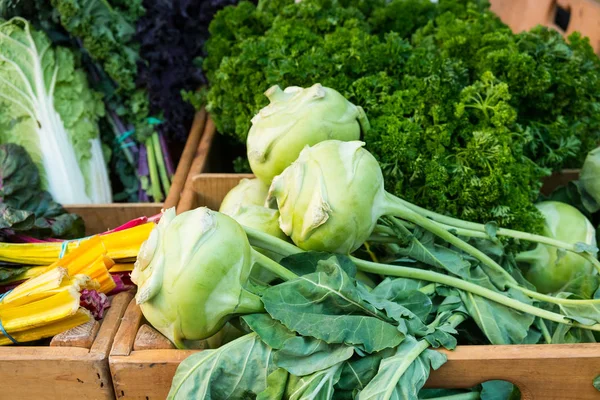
(187, 157)
(542, 372)
(210, 189)
(44, 373)
(102, 217)
(80, 336)
(125, 336)
(188, 196)
(148, 338)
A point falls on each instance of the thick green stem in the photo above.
(473, 226)
(545, 332)
(460, 396)
(434, 228)
(160, 159)
(249, 303)
(430, 276)
(281, 247)
(273, 266)
(157, 195)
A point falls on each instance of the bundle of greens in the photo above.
(26, 209)
(466, 117)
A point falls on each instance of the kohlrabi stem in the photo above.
(545, 332)
(457, 223)
(430, 276)
(273, 266)
(249, 303)
(267, 242)
(433, 227)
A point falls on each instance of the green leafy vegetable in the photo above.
(48, 108)
(26, 209)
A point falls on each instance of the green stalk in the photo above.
(460, 396)
(433, 227)
(157, 195)
(545, 332)
(162, 169)
(273, 266)
(473, 226)
(267, 242)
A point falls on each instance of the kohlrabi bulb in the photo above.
(330, 198)
(295, 118)
(245, 203)
(249, 192)
(589, 180)
(191, 272)
(548, 270)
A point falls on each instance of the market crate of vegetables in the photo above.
(62, 293)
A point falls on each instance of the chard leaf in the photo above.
(327, 306)
(276, 384)
(500, 324)
(402, 375)
(235, 370)
(317, 386)
(7, 273)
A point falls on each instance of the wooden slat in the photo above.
(188, 196)
(187, 157)
(148, 338)
(125, 336)
(102, 217)
(79, 336)
(210, 189)
(542, 372)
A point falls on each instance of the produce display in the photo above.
(466, 116)
(349, 297)
(99, 92)
(399, 149)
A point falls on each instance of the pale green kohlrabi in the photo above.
(297, 117)
(331, 197)
(547, 269)
(47, 107)
(191, 274)
(589, 181)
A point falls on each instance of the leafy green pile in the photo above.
(466, 116)
(25, 209)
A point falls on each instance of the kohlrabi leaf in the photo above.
(304, 355)
(586, 313)
(402, 375)
(405, 292)
(276, 385)
(317, 386)
(499, 390)
(500, 324)
(235, 370)
(358, 372)
(596, 383)
(298, 355)
(326, 305)
(306, 263)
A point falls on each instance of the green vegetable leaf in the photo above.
(500, 324)
(402, 375)
(596, 382)
(358, 372)
(307, 262)
(10, 273)
(276, 385)
(587, 314)
(272, 332)
(304, 355)
(317, 386)
(326, 305)
(235, 370)
(499, 390)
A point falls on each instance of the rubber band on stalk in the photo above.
(12, 339)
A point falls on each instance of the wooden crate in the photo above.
(80, 370)
(566, 16)
(142, 370)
